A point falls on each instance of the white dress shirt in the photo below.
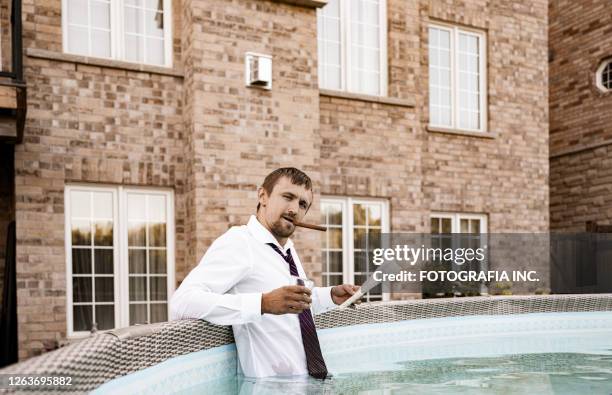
(226, 287)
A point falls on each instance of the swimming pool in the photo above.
(528, 353)
(517, 344)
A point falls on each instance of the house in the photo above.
(150, 124)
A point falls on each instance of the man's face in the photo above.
(286, 199)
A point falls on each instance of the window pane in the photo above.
(103, 205)
(138, 289)
(158, 288)
(80, 204)
(359, 214)
(105, 317)
(81, 233)
(332, 77)
(435, 225)
(136, 207)
(137, 234)
(81, 289)
(78, 40)
(332, 54)
(133, 20)
(475, 225)
(81, 261)
(101, 43)
(335, 261)
(103, 233)
(374, 238)
(155, 51)
(606, 76)
(137, 261)
(103, 261)
(332, 279)
(359, 238)
(138, 314)
(100, 14)
(464, 226)
(82, 318)
(133, 49)
(157, 261)
(447, 226)
(157, 208)
(77, 12)
(334, 238)
(157, 235)
(374, 215)
(361, 261)
(154, 22)
(159, 312)
(104, 289)
(335, 214)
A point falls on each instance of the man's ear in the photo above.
(262, 196)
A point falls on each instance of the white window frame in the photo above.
(457, 217)
(120, 250)
(117, 31)
(348, 256)
(456, 228)
(346, 80)
(482, 56)
(599, 76)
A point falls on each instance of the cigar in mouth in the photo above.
(305, 225)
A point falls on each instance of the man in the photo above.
(247, 279)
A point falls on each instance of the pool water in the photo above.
(545, 353)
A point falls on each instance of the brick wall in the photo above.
(237, 134)
(505, 177)
(580, 118)
(213, 140)
(85, 124)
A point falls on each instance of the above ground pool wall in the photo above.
(106, 356)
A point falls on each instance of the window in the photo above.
(352, 41)
(120, 256)
(457, 78)
(354, 228)
(130, 30)
(457, 230)
(604, 76)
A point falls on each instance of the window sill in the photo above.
(369, 98)
(111, 63)
(457, 132)
(305, 3)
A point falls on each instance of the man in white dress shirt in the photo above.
(245, 280)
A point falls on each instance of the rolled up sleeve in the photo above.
(322, 300)
(204, 292)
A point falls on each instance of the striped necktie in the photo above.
(314, 357)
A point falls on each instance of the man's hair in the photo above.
(296, 176)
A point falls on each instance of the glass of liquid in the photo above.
(297, 280)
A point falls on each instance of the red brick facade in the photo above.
(197, 129)
(580, 116)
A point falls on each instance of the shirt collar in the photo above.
(263, 235)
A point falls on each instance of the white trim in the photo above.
(457, 217)
(120, 249)
(599, 75)
(348, 263)
(482, 76)
(117, 32)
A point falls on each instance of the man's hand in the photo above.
(340, 293)
(289, 299)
